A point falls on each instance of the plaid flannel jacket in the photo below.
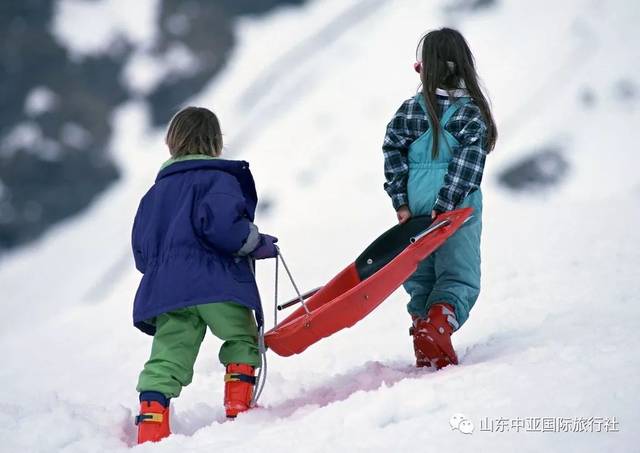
(464, 173)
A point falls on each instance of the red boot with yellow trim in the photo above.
(238, 388)
(153, 421)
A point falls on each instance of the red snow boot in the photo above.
(432, 337)
(238, 388)
(153, 421)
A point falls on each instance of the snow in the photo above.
(145, 70)
(89, 27)
(28, 136)
(39, 100)
(554, 333)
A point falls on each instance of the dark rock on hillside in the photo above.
(587, 97)
(626, 89)
(206, 29)
(52, 160)
(545, 168)
(461, 6)
(55, 111)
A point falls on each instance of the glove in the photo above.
(266, 248)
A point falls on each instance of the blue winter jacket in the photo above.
(186, 235)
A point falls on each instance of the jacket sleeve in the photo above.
(395, 148)
(219, 218)
(136, 242)
(465, 170)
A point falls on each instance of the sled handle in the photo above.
(430, 230)
(293, 282)
(296, 300)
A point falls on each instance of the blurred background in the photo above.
(304, 90)
(68, 65)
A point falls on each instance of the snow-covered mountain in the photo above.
(66, 65)
(549, 356)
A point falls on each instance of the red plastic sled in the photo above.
(365, 283)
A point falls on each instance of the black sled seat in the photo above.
(389, 245)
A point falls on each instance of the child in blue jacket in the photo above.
(434, 154)
(195, 241)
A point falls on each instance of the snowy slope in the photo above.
(554, 333)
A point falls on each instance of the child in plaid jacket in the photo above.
(435, 149)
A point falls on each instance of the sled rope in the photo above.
(275, 296)
(261, 378)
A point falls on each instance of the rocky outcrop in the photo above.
(55, 110)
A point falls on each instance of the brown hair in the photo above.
(446, 62)
(194, 130)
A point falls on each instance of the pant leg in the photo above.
(236, 326)
(173, 354)
(457, 270)
(419, 286)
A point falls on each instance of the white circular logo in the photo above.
(461, 423)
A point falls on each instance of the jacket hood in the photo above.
(173, 166)
(238, 168)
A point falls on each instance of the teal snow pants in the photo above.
(452, 273)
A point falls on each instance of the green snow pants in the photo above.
(179, 335)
